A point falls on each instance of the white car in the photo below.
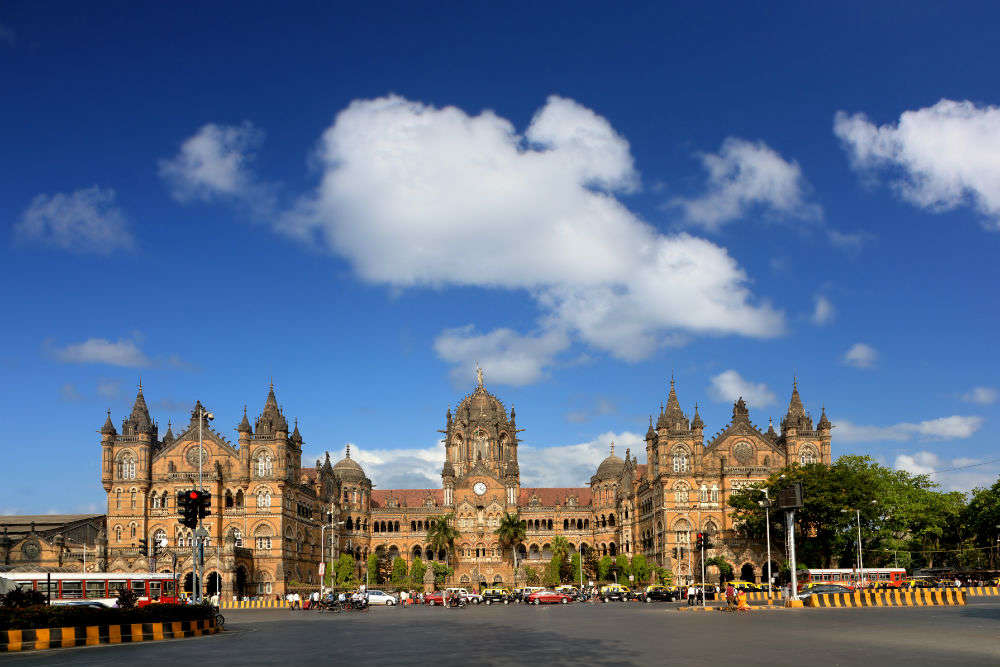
(380, 597)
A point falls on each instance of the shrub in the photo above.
(18, 598)
(127, 598)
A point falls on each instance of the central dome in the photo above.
(482, 403)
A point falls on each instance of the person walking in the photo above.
(691, 593)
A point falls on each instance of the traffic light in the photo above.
(155, 549)
(187, 509)
(700, 542)
(203, 503)
(144, 547)
(706, 542)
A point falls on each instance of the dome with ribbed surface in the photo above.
(347, 469)
(610, 468)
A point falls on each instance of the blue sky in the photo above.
(362, 202)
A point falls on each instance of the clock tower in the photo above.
(481, 450)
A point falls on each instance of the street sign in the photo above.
(201, 532)
(790, 497)
(322, 569)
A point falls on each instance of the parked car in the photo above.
(381, 597)
(434, 598)
(549, 597)
(828, 588)
(496, 596)
(612, 592)
(657, 593)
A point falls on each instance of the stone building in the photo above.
(654, 508)
(52, 542)
(264, 529)
(268, 512)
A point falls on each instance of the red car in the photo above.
(549, 597)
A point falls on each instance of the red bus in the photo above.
(100, 587)
(876, 577)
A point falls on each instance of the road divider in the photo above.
(253, 604)
(896, 598)
(92, 635)
(981, 590)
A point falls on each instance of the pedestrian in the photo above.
(402, 599)
(691, 593)
(730, 594)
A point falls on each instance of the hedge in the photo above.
(58, 616)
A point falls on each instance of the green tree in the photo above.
(663, 575)
(345, 572)
(399, 573)
(622, 568)
(981, 518)
(417, 570)
(551, 575)
(510, 534)
(604, 566)
(441, 573)
(531, 577)
(442, 534)
(574, 569)
(371, 567)
(640, 568)
(590, 564)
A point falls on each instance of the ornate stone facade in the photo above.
(267, 513)
(264, 530)
(655, 508)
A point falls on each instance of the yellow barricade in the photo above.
(889, 598)
(253, 604)
(980, 590)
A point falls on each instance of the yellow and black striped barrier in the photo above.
(762, 596)
(894, 598)
(981, 590)
(253, 604)
(92, 635)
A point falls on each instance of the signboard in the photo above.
(790, 497)
(322, 569)
(631, 577)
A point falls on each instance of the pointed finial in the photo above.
(348, 450)
(479, 375)
(140, 384)
(795, 381)
(612, 447)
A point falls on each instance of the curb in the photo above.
(92, 635)
(254, 604)
(918, 598)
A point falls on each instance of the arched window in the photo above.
(263, 497)
(611, 520)
(165, 500)
(160, 537)
(131, 528)
(680, 459)
(807, 456)
(132, 501)
(681, 492)
(262, 537)
(682, 534)
(703, 494)
(713, 495)
(118, 499)
(154, 501)
(265, 464)
(239, 499)
(237, 536)
(126, 466)
(229, 500)
(118, 533)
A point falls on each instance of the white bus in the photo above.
(100, 587)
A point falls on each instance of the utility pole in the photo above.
(790, 529)
(767, 524)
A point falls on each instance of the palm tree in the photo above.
(441, 534)
(511, 533)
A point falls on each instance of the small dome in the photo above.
(610, 468)
(347, 469)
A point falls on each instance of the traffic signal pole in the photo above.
(195, 564)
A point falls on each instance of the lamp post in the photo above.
(861, 563)
(766, 503)
(198, 542)
(702, 587)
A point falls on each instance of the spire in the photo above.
(347, 455)
(296, 436)
(326, 462)
(824, 423)
(169, 435)
(697, 422)
(795, 408)
(770, 427)
(139, 420)
(271, 419)
(108, 428)
(673, 413)
(612, 448)
(650, 433)
(244, 425)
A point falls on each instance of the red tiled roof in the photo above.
(555, 496)
(406, 497)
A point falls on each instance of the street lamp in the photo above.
(198, 540)
(766, 504)
(698, 507)
(322, 544)
(861, 564)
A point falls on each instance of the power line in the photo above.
(971, 465)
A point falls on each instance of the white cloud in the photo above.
(730, 385)
(924, 463)
(507, 356)
(572, 465)
(981, 395)
(823, 312)
(415, 195)
(850, 242)
(108, 388)
(215, 163)
(122, 352)
(861, 355)
(955, 427)
(85, 221)
(744, 177)
(937, 158)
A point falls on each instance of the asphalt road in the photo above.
(589, 634)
